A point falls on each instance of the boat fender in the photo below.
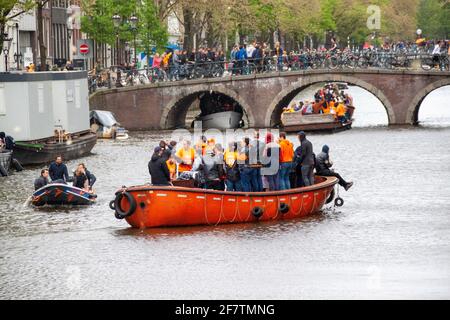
(111, 205)
(119, 209)
(339, 202)
(284, 208)
(3, 172)
(331, 197)
(17, 165)
(257, 212)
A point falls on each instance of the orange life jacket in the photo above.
(187, 157)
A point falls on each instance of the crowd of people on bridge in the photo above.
(251, 165)
(327, 100)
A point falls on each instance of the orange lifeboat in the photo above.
(151, 206)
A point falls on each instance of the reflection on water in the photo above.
(390, 240)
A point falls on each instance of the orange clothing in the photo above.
(172, 166)
(340, 110)
(326, 110)
(286, 151)
(230, 157)
(188, 157)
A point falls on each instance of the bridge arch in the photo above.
(273, 114)
(174, 112)
(412, 115)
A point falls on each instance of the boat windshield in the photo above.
(105, 118)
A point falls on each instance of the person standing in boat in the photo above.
(270, 170)
(256, 151)
(323, 168)
(157, 167)
(58, 171)
(286, 159)
(248, 179)
(213, 168)
(233, 178)
(304, 156)
(80, 180)
(185, 157)
(42, 181)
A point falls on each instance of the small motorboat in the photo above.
(296, 121)
(151, 206)
(221, 120)
(5, 162)
(62, 194)
(105, 125)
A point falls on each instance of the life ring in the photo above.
(283, 208)
(3, 171)
(257, 212)
(339, 202)
(118, 208)
(331, 197)
(16, 164)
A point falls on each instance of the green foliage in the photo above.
(98, 23)
(151, 32)
(433, 18)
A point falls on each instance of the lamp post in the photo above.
(134, 27)
(5, 39)
(18, 55)
(117, 20)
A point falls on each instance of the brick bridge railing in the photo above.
(262, 96)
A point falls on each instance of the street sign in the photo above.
(84, 49)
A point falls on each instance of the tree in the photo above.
(433, 18)
(151, 32)
(40, 4)
(10, 9)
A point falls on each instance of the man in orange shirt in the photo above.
(185, 156)
(286, 158)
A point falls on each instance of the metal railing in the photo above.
(368, 59)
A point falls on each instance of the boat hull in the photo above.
(5, 160)
(175, 206)
(295, 122)
(79, 147)
(221, 120)
(61, 194)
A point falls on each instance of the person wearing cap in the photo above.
(157, 167)
(304, 156)
(323, 168)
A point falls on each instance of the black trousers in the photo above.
(329, 173)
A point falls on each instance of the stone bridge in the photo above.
(262, 96)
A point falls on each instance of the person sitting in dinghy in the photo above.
(42, 181)
(58, 171)
(80, 180)
(91, 178)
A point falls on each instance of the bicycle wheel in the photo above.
(427, 64)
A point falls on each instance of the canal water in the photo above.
(391, 239)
